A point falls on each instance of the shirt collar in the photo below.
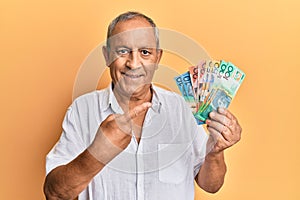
(111, 101)
(156, 103)
(106, 100)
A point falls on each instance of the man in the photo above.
(134, 140)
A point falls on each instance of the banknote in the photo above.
(228, 80)
(194, 79)
(196, 74)
(180, 86)
(213, 67)
(187, 85)
(219, 98)
(184, 85)
(209, 85)
(202, 81)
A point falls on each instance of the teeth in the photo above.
(132, 76)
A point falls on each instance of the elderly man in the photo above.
(134, 140)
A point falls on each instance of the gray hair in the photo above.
(128, 16)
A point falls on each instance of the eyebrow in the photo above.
(122, 46)
(126, 47)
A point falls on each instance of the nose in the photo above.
(133, 60)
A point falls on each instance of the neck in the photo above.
(127, 101)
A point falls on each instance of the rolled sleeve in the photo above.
(69, 146)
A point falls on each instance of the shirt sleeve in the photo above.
(69, 146)
(199, 148)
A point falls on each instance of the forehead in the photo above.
(133, 33)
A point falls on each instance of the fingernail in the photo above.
(207, 121)
(211, 114)
(221, 110)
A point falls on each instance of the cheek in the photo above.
(117, 65)
(150, 67)
(114, 72)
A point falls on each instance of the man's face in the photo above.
(132, 56)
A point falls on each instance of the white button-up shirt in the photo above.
(161, 166)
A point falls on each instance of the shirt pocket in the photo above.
(174, 162)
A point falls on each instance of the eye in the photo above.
(123, 51)
(145, 52)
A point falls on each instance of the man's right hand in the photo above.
(114, 134)
(112, 137)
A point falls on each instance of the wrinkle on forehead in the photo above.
(134, 39)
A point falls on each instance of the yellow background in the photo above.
(43, 43)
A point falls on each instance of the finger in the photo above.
(221, 143)
(221, 118)
(214, 133)
(222, 129)
(226, 112)
(222, 123)
(111, 117)
(215, 124)
(234, 124)
(136, 111)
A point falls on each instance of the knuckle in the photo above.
(213, 115)
(231, 116)
(143, 107)
(224, 129)
(228, 122)
(219, 141)
(226, 112)
(228, 131)
(210, 129)
(231, 125)
(110, 117)
(224, 120)
(235, 121)
(239, 138)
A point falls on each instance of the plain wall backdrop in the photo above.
(43, 43)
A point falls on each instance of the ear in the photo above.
(159, 55)
(105, 53)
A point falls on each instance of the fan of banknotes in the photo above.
(209, 85)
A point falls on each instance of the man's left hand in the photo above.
(224, 128)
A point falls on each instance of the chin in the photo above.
(131, 90)
(132, 86)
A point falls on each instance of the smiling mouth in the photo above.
(133, 76)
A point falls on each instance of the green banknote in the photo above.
(209, 85)
(227, 81)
